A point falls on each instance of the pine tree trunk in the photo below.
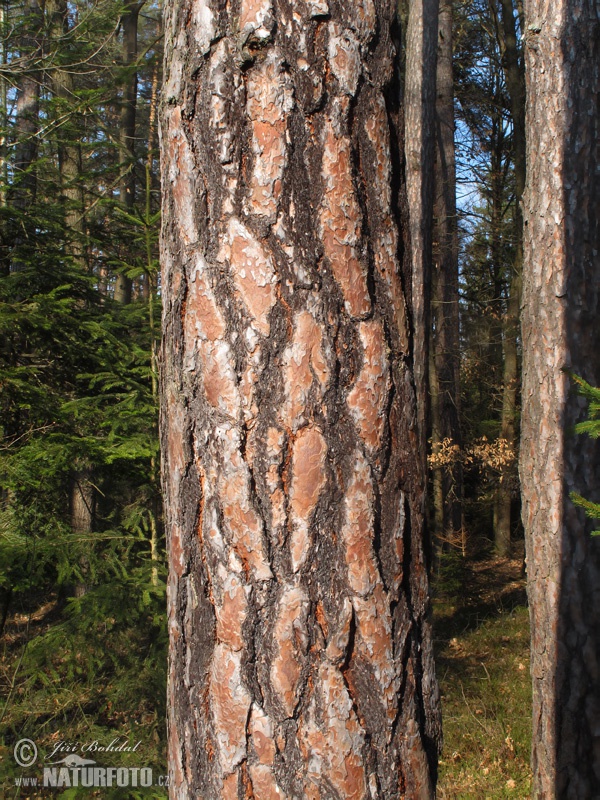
(3, 118)
(69, 146)
(510, 386)
(437, 472)
(5, 236)
(515, 82)
(561, 331)
(498, 352)
(82, 519)
(27, 112)
(70, 169)
(445, 385)
(148, 286)
(127, 127)
(23, 190)
(419, 147)
(301, 659)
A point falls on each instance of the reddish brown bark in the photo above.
(561, 331)
(301, 657)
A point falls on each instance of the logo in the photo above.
(74, 761)
(64, 767)
(25, 753)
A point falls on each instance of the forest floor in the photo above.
(481, 628)
(481, 625)
(60, 697)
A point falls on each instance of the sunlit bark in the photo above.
(561, 332)
(301, 657)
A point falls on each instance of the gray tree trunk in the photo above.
(301, 661)
(23, 190)
(127, 128)
(27, 110)
(82, 519)
(70, 168)
(561, 333)
(69, 146)
(514, 73)
(445, 360)
(419, 149)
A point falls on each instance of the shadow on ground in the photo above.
(481, 627)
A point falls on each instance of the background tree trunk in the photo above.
(70, 133)
(27, 111)
(419, 149)
(445, 361)
(561, 331)
(301, 657)
(514, 75)
(127, 125)
(22, 192)
(3, 117)
(71, 187)
(82, 518)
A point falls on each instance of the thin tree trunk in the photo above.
(127, 129)
(510, 387)
(148, 284)
(497, 255)
(300, 653)
(445, 384)
(514, 74)
(561, 332)
(437, 476)
(69, 146)
(419, 143)
(5, 235)
(7, 593)
(3, 112)
(71, 186)
(24, 187)
(27, 114)
(82, 519)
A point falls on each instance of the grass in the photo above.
(482, 658)
(98, 685)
